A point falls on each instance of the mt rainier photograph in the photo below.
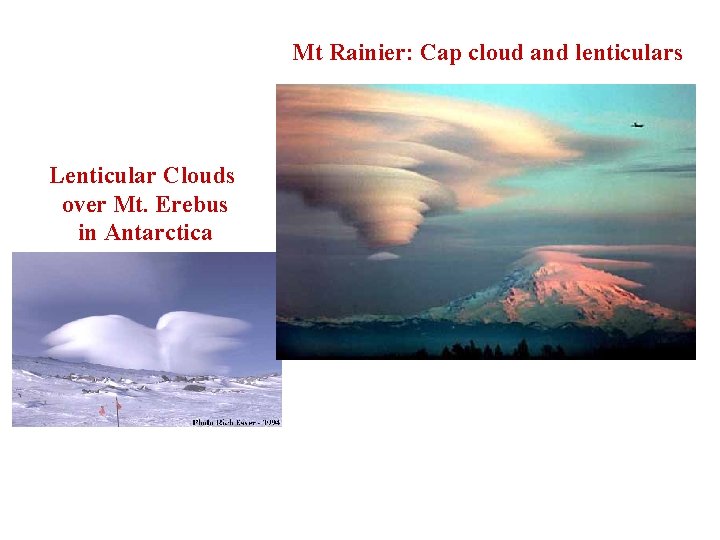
(508, 222)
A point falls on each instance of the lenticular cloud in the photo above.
(383, 256)
(386, 160)
(182, 341)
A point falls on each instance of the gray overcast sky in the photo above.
(51, 289)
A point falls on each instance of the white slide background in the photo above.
(561, 450)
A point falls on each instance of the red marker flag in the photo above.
(117, 404)
(102, 410)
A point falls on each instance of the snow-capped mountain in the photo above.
(552, 293)
(552, 297)
(549, 289)
(50, 392)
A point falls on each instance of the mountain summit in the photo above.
(552, 288)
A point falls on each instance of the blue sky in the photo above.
(51, 289)
(583, 104)
(668, 138)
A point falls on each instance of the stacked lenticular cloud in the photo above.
(386, 160)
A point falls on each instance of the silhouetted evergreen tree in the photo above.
(487, 352)
(522, 351)
(498, 351)
(458, 351)
(422, 354)
(473, 351)
(559, 352)
(446, 353)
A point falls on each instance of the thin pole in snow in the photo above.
(117, 410)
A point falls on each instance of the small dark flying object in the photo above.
(635, 124)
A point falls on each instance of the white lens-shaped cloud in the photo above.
(183, 342)
(383, 256)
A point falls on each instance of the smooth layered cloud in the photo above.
(565, 262)
(687, 170)
(182, 342)
(386, 205)
(672, 250)
(387, 160)
(383, 256)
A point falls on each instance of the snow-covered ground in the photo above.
(49, 392)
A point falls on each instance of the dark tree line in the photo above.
(471, 351)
